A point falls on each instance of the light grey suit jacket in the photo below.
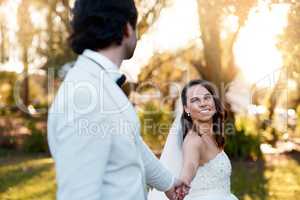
(94, 138)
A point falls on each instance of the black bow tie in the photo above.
(121, 80)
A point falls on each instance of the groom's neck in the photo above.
(114, 54)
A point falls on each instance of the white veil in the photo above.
(171, 156)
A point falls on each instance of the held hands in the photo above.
(178, 191)
(182, 191)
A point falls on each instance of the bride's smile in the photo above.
(205, 110)
(200, 103)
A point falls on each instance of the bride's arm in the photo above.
(190, 159)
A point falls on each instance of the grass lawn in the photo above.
(31, 177)
(26, 177)
(276, 178)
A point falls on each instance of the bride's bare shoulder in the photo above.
(192, 140)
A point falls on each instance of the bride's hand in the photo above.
(171, 194)
(179, 190)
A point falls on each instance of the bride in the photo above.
(194, 148)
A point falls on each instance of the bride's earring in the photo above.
(189, 114)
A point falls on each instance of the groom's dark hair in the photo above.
(97, 24)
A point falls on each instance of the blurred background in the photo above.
(250, 49)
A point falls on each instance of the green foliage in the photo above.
(290, 43)
(277, 178)
(243, 146)
(37, 93)
(8, 142)
(244, 142)
(7, 82)
(36, 142)
(155, 124)
(248, 180)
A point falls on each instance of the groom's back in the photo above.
(94, 157)
(91, 164)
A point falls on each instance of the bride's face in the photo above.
(200, 104)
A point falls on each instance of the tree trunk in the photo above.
(3, 49)
(210, 32)
(26, 79)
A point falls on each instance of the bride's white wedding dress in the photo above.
(212, 181)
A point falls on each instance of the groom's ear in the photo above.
(128, 30)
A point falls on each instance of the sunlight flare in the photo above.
(256, 49)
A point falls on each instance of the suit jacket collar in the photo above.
(103, 62)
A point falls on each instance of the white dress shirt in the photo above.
(94, 138)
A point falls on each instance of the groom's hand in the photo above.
(182, 191)
(171, 194)
(178, 191)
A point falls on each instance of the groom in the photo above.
(93, 130)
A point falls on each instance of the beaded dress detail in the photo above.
(212, 181)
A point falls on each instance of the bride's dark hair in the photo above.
(218, 117)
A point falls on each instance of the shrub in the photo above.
(245, 142)
(155, 125)
(36, 142)
(8, 142)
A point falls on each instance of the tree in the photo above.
(55, 34)
(165, 70)
(216, 62)
(3, 40)
(25, 37)
(289, 44)
(218, 65)
(149, 12)
(57, 51)
(4, 44)
(290, 47)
